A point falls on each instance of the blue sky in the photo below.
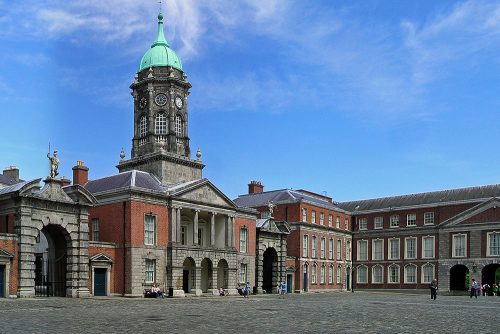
(358, 99)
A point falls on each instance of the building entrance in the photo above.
(100, 281)
(491, 274)
(2, 281)
(458, 274)
(206, 275)
(270, 272)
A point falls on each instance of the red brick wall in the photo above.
(490, 215)
(7, 223)
(138, 210)
(250, 225)
(116, 275)
(111, 222)
(11, 246)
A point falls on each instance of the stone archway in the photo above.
(270, 270)
(206, 282)
(188, 275)
(222, 274)
(490, 274)
(458, 280)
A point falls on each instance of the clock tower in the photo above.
(160, 90)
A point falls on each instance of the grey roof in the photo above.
(282, 196)
(130, 179)
(6, 180)
(428, 198)
(15, 187)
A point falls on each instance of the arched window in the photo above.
(314, 273)
(362, 274)
(143, 127)
(411, 274)
(178, 126)
(161, 124)
(427, 273)
(377, 274)
(393, 273)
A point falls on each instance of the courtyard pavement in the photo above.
(366, 312)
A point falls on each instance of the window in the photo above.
(427, 247)
(161, 124)
(322, 248)
(149, 230)
(363, 223)
(314, 273)
(410, 248)
(304, 215)
(337, 222)
(429, 218)
(339, 249)
(393, 273)
(330, 274)
(322, 218)
(313, 246)
(410, 274)
(95, 230)
(243, 272)
(305, 244)
(493, 248)
(346, 223)
(394, 221)
(378, 222)
(322, 274)
(377, 249)
(427, 273)
(150, 266)
(394, 249)
(348, 251)
(339, 274)
(143, 127)
(201, 236)
(313, 217)
(377, 274)
(243, 240)
(411, 219)
(330, 249)
(183, 235)
(362, 274)
(362, 250)
(459, 242)
(178, 126)
(330, 220)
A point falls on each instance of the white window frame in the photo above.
(453, 244)
(330, 220)
(243, 240)
(305, 245)
(322, 248)
(149, 270)
(429, 218)
(394, 221)
(314, 274)
(406, 280)
(433, 243)
(143, 127)
(389, 249)
(322, 274)
(161, 124)
(495, 247)
(390, 276)
(96, 235)
(339, 274)
(330, 274)
(243, 272)
(313, 217)
(414, 251)
(178, 126)
(339, 249)
(379, 267)
(337, 222)
(427, 265)
(348, 252)
(363, 224)
(314, 245)
(346, 224)
(322, 218)
(411, 219)
(380, 252)
(378, 223)
(330, 249)
(304, 215)
(364, 279)
(365, 255)
(149, 233)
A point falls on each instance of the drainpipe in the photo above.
(124, 249)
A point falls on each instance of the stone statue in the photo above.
(271, 207)
(54, 165)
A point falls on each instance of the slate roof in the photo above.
(435, 197)
(4, 180)
(130, 179)
(283, 196)
(14, 187)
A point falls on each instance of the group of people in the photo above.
(485, 289)
(154, 292)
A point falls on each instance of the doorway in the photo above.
(458, 281)
(222, 274)
(305, 277)
(188, 275)
(270, 272)
(206, 275)
(100, 281)
(289, 281)
(2, 281)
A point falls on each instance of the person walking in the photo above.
(282, 289)
(473, 288)
(434, 287)
(246, 290)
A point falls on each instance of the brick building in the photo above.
(320, 239)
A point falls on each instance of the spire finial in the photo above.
(160, 37)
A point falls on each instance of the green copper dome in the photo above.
(160, 53)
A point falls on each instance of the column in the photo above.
(233, 220)
(195, 227)
(173, 225)
(212, 230)
(178, 224)
(26, 279)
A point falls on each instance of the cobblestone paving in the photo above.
(366, 312)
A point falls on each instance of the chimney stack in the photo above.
(80, 173)
(12, 172)
(255, 187)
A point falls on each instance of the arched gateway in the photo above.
(458, 274)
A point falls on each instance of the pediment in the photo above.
(270, 225)
(205, 193)
(101, 258)
(487, 211)
(53, 191)
(4, 254)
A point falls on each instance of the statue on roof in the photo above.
(271, 207)
(54, 165)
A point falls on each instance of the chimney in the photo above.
(65, 181)
(12, 172)
(255, 187)
(80, 173)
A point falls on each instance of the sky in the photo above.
(353, 99)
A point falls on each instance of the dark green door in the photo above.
(100, 282)
(2, 281)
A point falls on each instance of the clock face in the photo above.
(143, 103)
(178, 102)
(161, 99)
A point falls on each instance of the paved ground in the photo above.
(365, 312)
